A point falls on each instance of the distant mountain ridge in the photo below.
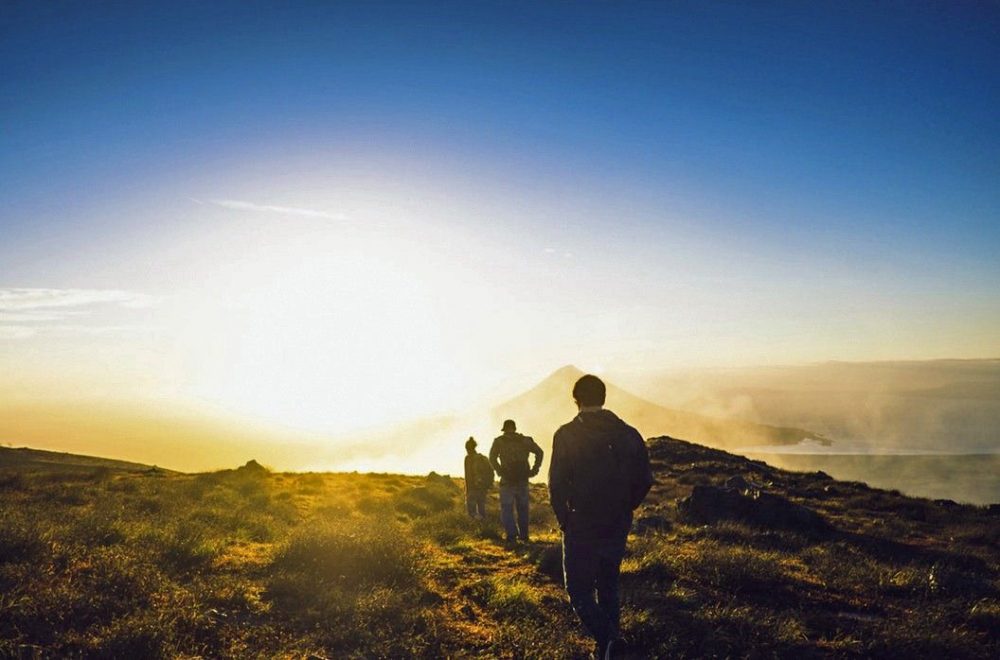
(25, 457)
(931, 405)
(548, 405)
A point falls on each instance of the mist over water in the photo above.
(950, 406)
(971, 478)
(930, 428)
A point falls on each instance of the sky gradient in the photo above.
(338, 214)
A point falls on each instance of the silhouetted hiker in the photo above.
(509, 457)
(598, 475)
(478, 480)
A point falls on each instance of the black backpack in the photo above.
(603, 478)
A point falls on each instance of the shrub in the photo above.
(513, 599)
(106, 584)
(132, 638)
(19, 541)
(186, 547)
(96, 529)
(734, 569)
(446, 527)
(310, 483)
(11, 481)
(424, 500)
(337, 578)
(346, 553)
(99, 474)
(947, 579)
(373, 505)
(651, 561)
(123, 484)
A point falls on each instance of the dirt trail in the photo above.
(498, 603)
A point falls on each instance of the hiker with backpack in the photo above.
(478, 480)
(599, 474)
(509, 457)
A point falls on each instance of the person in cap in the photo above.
(478, 480)
(599, 474)
(509, 457)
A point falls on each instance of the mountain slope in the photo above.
(24, 458)
(542, 409)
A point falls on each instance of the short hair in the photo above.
(470, 444)
(589, 391)
(509, 425)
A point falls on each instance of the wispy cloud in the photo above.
(552, 250)
(239, 205)
(29, 312)
(37, 317)
(16, 300)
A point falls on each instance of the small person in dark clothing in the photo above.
(599, 474)
(509, 457)
(478, 480)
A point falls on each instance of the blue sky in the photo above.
(818, 179)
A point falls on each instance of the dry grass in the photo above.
(246, 563)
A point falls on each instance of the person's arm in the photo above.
(469, 472)
(560, 479)
(642, 472)
(495, 457)
(538, 453)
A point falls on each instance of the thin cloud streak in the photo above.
(16, 300)
(37, 317)
(239, 205)
(27, 306)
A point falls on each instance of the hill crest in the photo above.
(26, 457)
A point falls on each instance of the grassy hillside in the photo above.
(249, 563)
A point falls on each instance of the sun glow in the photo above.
(340, 332)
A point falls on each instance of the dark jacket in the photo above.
(598, 475)
(509, 457)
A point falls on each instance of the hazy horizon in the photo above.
(757, 395)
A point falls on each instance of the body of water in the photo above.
(971, 478)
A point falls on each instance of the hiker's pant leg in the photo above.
(580, 571)
(609, 562)
(480, 505)
(507, 509)
(470, 503)
(522, 500)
